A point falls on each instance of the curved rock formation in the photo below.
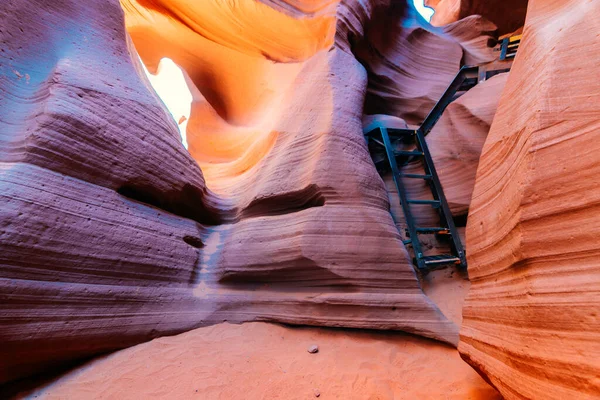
(111, 232)
(507, 15)
(531, 318)
(411, 65)
(92, 250)
(239, 65)
(457, 139)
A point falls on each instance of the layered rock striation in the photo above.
(99, 234)
(530, 321)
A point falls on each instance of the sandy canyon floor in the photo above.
(267, 361)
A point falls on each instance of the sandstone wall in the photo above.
(531, 318)
(83, 267)
(112, 233)
(508, 15)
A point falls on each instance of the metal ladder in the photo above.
(509, 47)
(466, 78)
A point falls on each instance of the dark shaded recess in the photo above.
(193, 241)
(492, 42)
(185, 202)
(460, 220)
(44, 366)
(478, 367)
(196, 242)
(381, 31)
(21, 388)
(285, 203)
(507, 15)
(302, 272)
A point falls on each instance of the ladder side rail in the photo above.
(430, 182)
(503, 49)
(439, 194)
(427, 171)
(414, 238)
(437, 110)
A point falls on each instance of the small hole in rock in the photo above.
(193, 241)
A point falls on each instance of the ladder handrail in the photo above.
(466, 72)
(447, 97)
(414, 241)
(438, 192)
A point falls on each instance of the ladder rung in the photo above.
(408, 241)
(441, 259)
(437, 229)
(435, 203)
(515, 38)
(408, 153)
(415, 176)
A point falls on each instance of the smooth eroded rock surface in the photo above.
(508, 15)
(530, 321)
(257, 361)
(98, 234)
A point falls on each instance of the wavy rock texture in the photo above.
(411, 65)
(508, 15)
(310, 227)
(84, 268)
(226, 53)
(53, 114)
(109, 234)
(531, 318)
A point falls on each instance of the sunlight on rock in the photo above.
(426, 12)
(169, 83)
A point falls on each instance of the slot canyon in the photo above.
(196, 246)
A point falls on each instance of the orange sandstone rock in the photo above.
(258, 360)
(238, 65)
(507, 15)
(531, 318)
(112, 234)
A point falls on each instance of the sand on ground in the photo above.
(267, 361)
